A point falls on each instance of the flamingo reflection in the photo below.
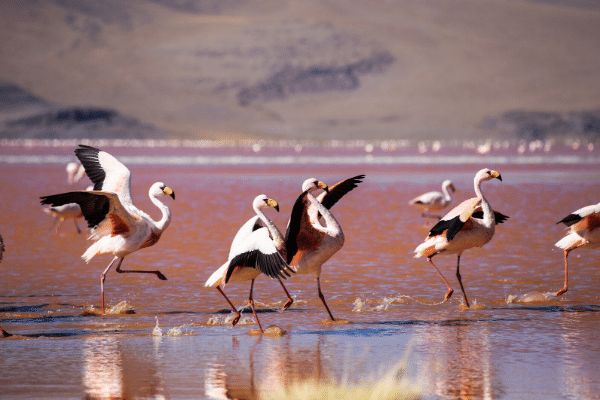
(112, 370)
(459, 364)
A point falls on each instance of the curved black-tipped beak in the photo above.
(277, 207)
(172, 195)
(500, 177)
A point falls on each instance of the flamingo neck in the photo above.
(488, 214)
(164, 222)
(275, 234)
(333, 227)
(446, 193)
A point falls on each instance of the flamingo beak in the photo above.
(323, 185)
(169, 192)
(273, 203)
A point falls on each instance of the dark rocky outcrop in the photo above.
(534, 125)
(77, 123)
(26, 116)
(314, 79)
(13, 97)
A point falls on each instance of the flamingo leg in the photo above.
(237, 314)
(158, 274)
(427, 215)
(58, 225)
(460, 281)
(450, 290)
(252, 305)
(323, 299)
(103, 277)
(289, 301)
(564, 289)
(77, 226)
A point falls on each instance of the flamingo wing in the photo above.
(499, 218)
(106, 172)
(427, 198)
(246, 230)
(456, 219)
(339, 190)
(259, 252)
(102, 211)
(576, 216)
(294, 224)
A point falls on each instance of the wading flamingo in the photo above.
(582, 233)
(65, 212)
(470, 224)
(118, 226)
(434, 201)
(309, 243)
(253, 252)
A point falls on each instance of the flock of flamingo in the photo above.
(312, 236)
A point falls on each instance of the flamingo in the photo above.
(434, 201)
(253, 252)
(118, 226)
(65, 212)
(583, 232)
(309, 244)
(75, 172)
(470, 224)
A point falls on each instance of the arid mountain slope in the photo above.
(309, 69)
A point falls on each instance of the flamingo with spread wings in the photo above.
(309, 243)
(118, 226)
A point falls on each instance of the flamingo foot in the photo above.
(288, 304)
(561, 291)
(236, 319)
(448, 294)
(161, 276)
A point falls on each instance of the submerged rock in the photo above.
(271, 330)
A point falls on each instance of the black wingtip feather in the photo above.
(94, 207)
(570, 219)
(272, 265)
(88, 156)
(293, 228)
(440, 227)
(499, 218)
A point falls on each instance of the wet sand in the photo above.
(519, 341)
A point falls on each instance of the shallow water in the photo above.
(518, 340)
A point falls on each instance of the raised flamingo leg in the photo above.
(103, 277)
(133, 271)
(564, 289)
(323, 299)
(450, 290)
(237, 314)
(460, 281)
(289, 301)
(252, 305)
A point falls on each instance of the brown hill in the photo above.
(306, 69)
